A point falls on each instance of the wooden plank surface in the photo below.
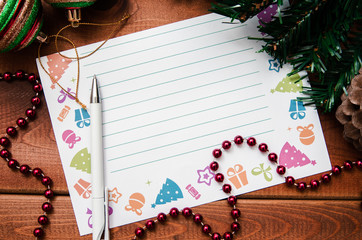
(333, 211)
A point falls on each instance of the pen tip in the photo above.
(94, 91)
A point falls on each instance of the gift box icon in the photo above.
(296, 109)
(82, 118)
(83, 188)
(237, 176)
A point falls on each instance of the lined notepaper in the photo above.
(170, 96)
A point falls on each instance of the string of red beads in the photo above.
(235, 213)
(12, 132)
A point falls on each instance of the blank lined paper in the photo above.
(170, 96)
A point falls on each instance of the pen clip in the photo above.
(106, 215)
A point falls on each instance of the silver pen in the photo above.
(99, 192)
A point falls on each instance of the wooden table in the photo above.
(334, 211)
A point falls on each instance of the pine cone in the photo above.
(349, 113)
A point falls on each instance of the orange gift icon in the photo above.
(237, 176)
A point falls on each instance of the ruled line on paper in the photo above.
(163, 70)
(183, 103)
(187, 127)
(184, 115)
(171, 43)
(186, 140)
(159, 34)
(182, 78)
(184, 153)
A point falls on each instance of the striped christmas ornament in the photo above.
(20, 23)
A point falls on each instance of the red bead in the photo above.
(226, 145)
(326, 178)
(46, 181)
(263, 147)
(198, 218)
(37, 172)
(314, 184)
(20, 74)
(13, 163)
(228, 236)
(336, 170)
(187, 212)
(301, 186)
(11, 131)
(139, 232)
(21, 122)
(235, 226)
(216, 236)
(235, 213)
(289, 181)
(226, 188)
(174, 212)
(7, 76)
(219, 177)
(24, 169)
(38, 232)
(232, 200)
(348, 165)
(4, 141)
(273, 157)
(35, 101)
(359, 164)
(217, 153)
(48, 193)
(150, 224)
(161, 217)
(47, 207)
(251, 141)
(281, 170)
(214, 166)
(32, 77)
(38, 88)
(238, 140)
(43, 220)
(206, 229)
(4, 153)
(30, 113)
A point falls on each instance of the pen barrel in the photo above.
(97, 165)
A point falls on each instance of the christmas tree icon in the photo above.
(82, 161)
(170, 192)
(292, 157)
(289, 84)
(57, 66)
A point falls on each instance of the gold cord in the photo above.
(56, 36)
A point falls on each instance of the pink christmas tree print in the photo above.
(290, 157)
(57, 66)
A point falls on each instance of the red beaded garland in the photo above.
(263, 147)
(139, 232)
(326, 178)
(359, 164)
(235, 226)
(226, 188)
(314, 184)
(336, 170)
(198, 218)
(348, 165)
(150, 224)
(281, 170)
(289, 181)
(217, 153)
(12, 131)
(273, 157)
(216, 236)
(228, 236)
(214, 166)
(174, 212)
(235, 213)
(187, 212)
(232, 200)
(238, 140)
(301, 186)
(206, 229)
(219, 177)
(251, 141)
(226, 145)
(161, 217)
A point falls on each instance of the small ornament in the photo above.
(70, 138)
(306, 135)
(73, 8)
(193, 192)
(136, 202)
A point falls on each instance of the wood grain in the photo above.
(261, 219)
(274, 213)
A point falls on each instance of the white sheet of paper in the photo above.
(170, 96)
